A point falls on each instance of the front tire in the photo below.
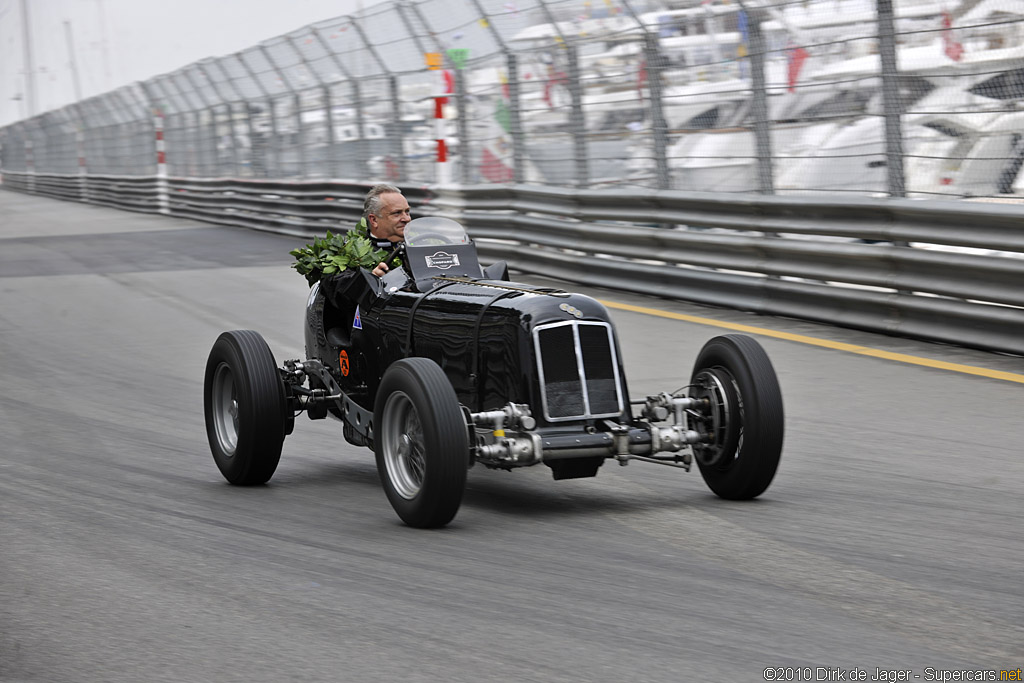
(245, 406)
(745, 418)
(421, 443)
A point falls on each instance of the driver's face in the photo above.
(394, 214)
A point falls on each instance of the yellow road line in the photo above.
(828, 344)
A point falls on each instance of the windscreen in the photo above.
(434, 231)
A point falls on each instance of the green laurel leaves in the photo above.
(335, 253)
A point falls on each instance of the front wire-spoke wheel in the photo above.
(404, 456)
(722, 417)
(421, 443)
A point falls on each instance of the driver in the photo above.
(385, 213)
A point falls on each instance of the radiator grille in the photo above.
(579, 373)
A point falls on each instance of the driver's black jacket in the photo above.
(341, 289)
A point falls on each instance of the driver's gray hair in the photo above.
(372, 203)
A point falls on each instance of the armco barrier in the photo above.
(135, 193)
(943, 271)
(295, 207)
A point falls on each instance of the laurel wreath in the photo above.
(337, 252)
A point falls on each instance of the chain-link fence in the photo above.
(821, 96)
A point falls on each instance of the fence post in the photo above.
(515, 123)
(659, 127)
(465, 148)
(245, 122)
(83, 192)
(258, 139)
(759, 105)
(274, 145)
(208, 149)
(577, 120)
(362, 168)
(30, 161)
(195, 156)
(236, 151)
(891, 99)
(161, 162)
(75, 113)
(398, 141)
(300, 134)
(331, 139)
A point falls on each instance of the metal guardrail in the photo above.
(294, 207)
(299, 207)
(943, 271)
(135, 193)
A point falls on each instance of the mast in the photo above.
(73, 60)
(30, 67)
(104, 47)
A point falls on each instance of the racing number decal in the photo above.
(343, 362)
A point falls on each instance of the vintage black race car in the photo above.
(442, 364)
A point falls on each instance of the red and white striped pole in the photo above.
(443, 171)
(80, 145)
(30, 164)
(161, 162)
(435, 63)
(83, 191)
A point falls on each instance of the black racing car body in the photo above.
(497, 342)
(442, 364)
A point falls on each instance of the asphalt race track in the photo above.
(890, 539)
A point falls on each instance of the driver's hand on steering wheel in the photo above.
(380, 269)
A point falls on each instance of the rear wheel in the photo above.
(245, 406)
(744, 419)
(421, 443)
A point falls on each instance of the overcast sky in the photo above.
(121, 41)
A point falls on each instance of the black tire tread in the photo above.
(763, 430)
(443, 425)
(262, 415)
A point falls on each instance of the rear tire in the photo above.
(245, 407)
(746, 417)
(421, 443)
